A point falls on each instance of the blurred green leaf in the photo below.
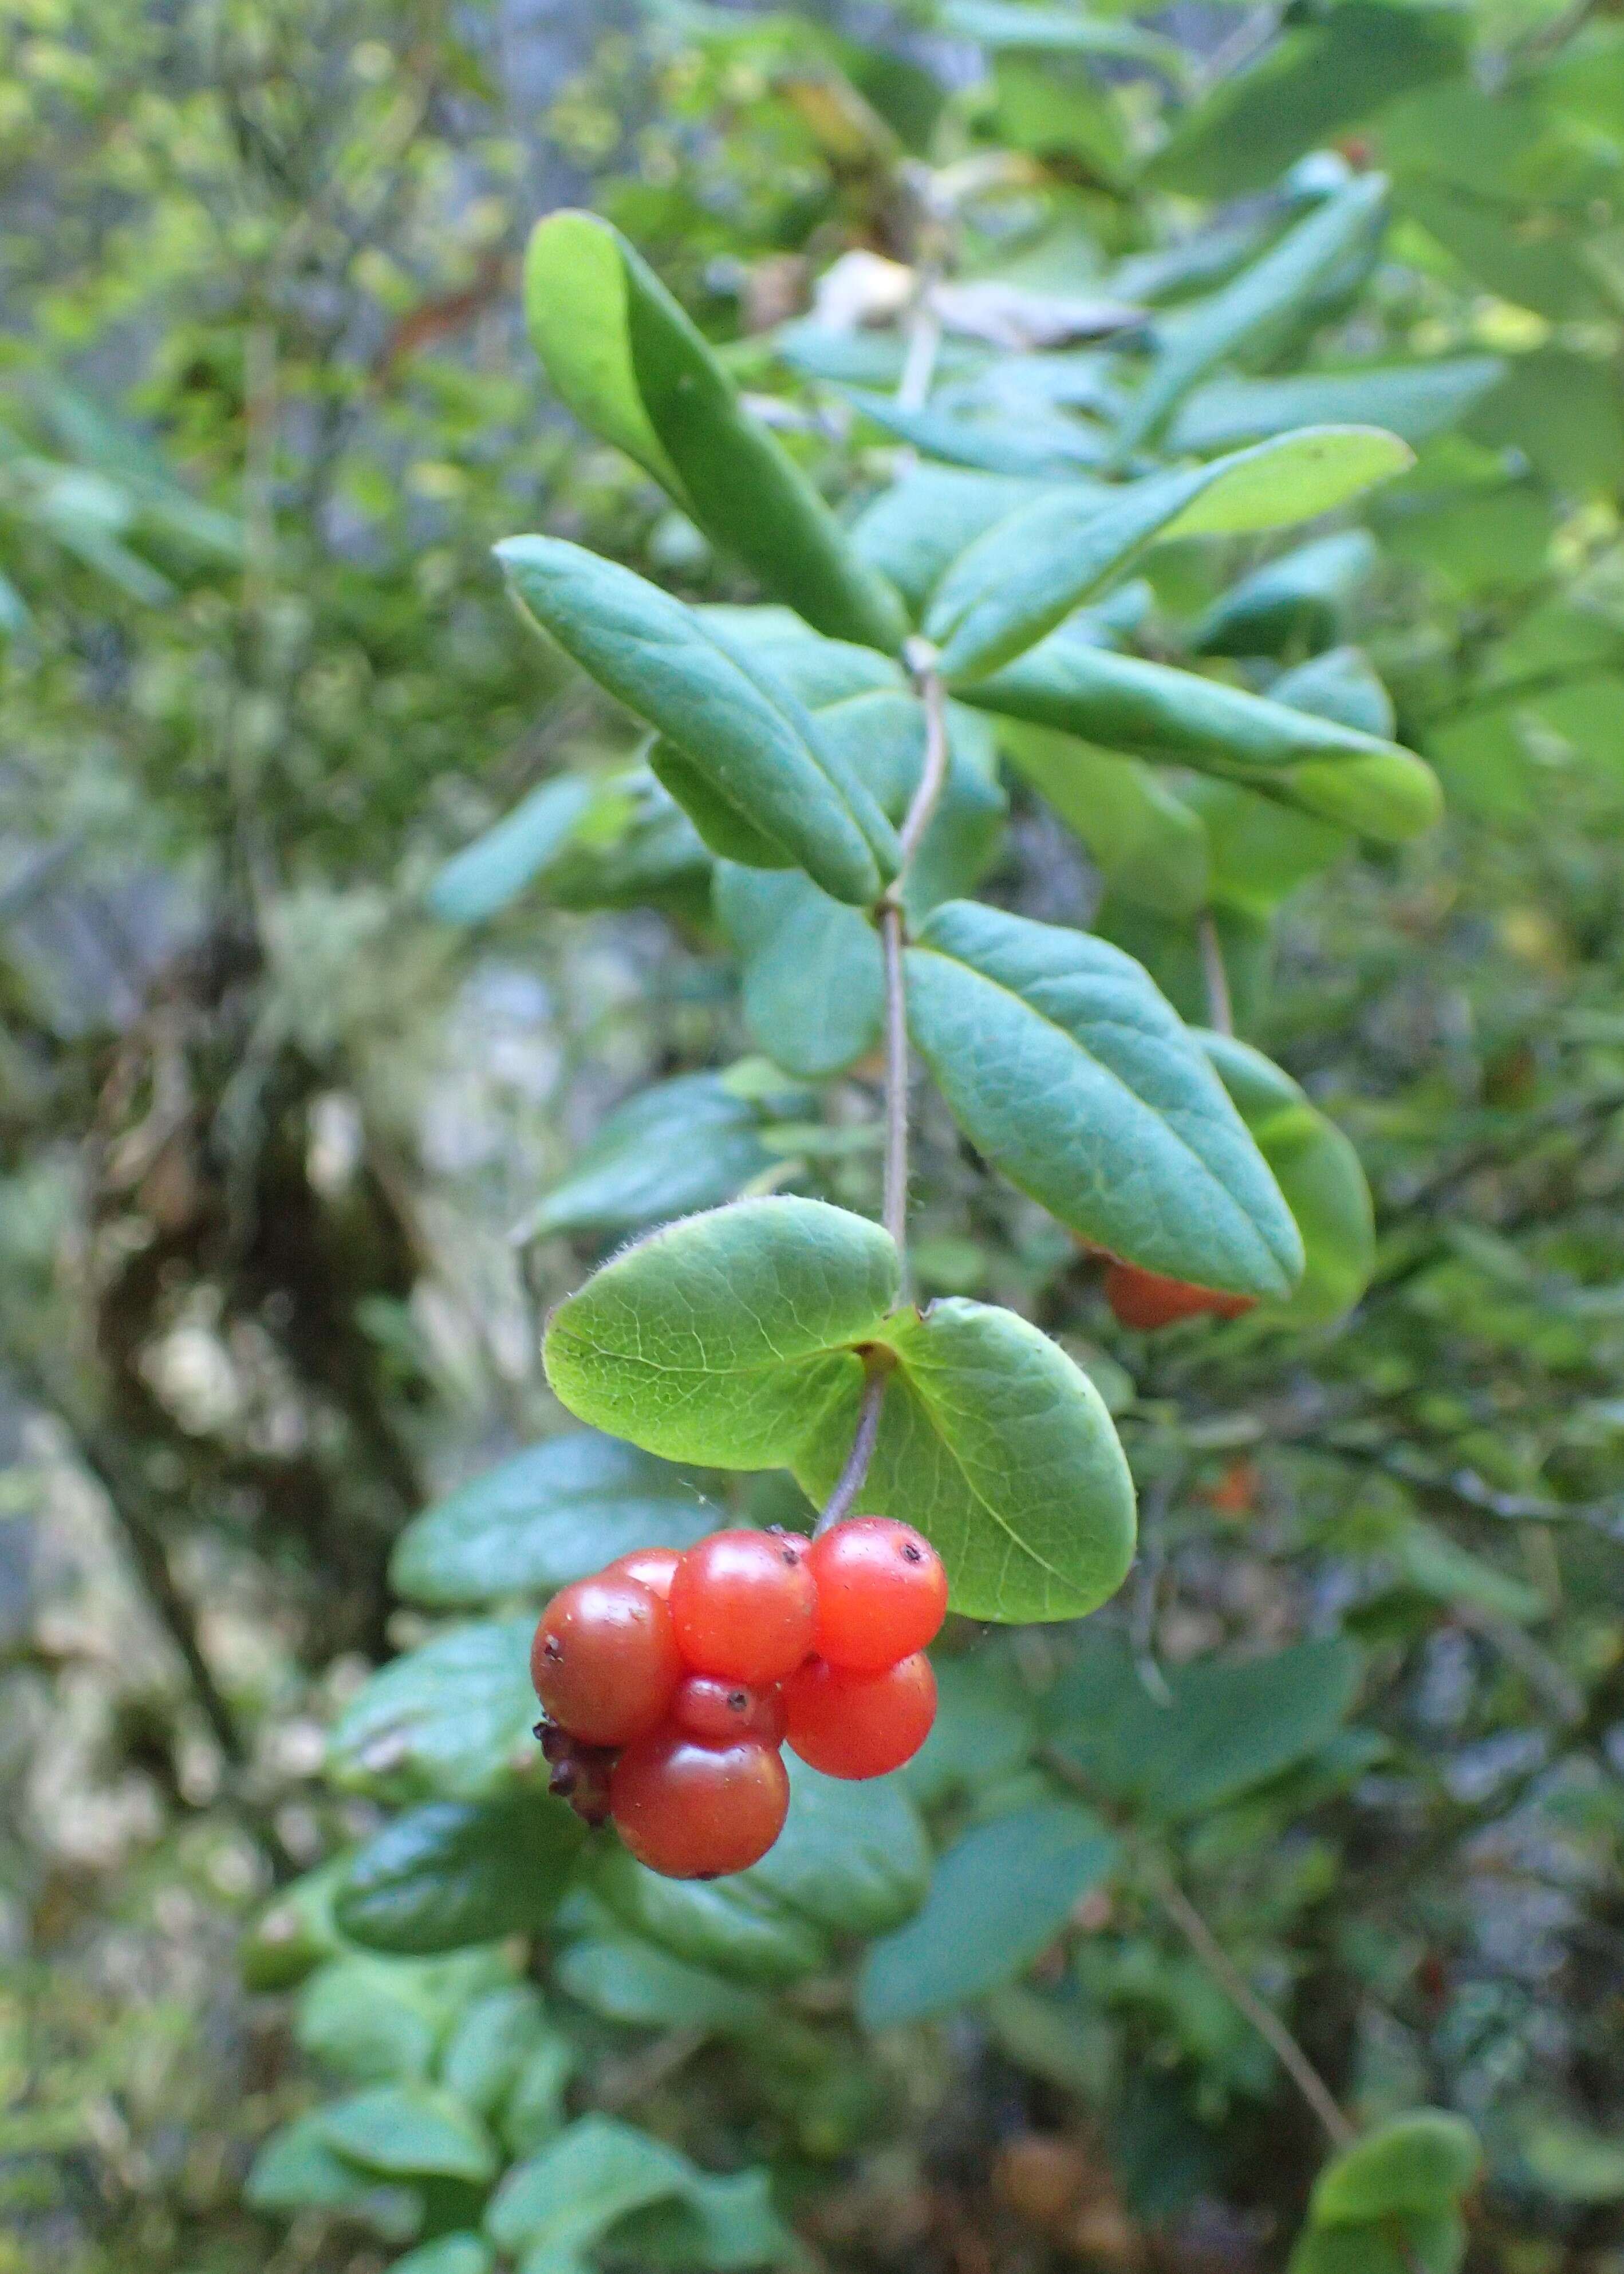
(999, 1896)
(451, 1873)
(446, 1720)
(551, 1515)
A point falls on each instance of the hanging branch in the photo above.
(1214, 976)
(921, 659)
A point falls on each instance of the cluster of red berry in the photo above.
(671, 1682)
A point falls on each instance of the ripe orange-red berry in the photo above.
(605, 1660)
(743, 1605)
(654, 1566)
(860, 1725)
(693, 1810)
(1149, 1300)
(716, 1711)
(882, 1592)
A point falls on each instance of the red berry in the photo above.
(708, 1707)
(860, 1725)
(882, 1592)
(1147, 1299)
(605, 1660)
(654, 1566)
(694, 1811)
(743, 1604)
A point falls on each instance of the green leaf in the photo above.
(851, 1859)
(535, 2109)
(552, 1513)
(725, 1339)
(1421, 2162)
(492, 2038)
(1000, 1450)
(752, 742)
(1414, 401)
(297, 2169)
(1432, 2242)
(450, 2254)
(1232, 1723)
(1259, 850)
(369, 2019)
(446, 1720)
(1143, 837)
(1341, 685)
(1319, 78)
(453, 1873)
(1561, 410)
(628, 361)
(1317, 1169)
(733, 1927)
(411, 2130)
(1044, 446)
(999, 1896)
(489, 873)
(1302, 757)
(1002, 26)
(599, 2172)
(680, 1145)
(630, 1981)
(811, 978)
(984, 1730)
(1300, 600)
(294, 1934)
(1019, 579)
(817, 672)
(1064, 1064)
(915, 530)
(1285, 280)
(1574, 2164)
(633, 847)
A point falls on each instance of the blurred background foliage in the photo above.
(269, 1122)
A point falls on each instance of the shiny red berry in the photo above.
(654, 1566)
(743, 1605)
(605, 1660)
(1147, 1299)
(694, 1811)
(860, 1725)
(882, 1592)
(716, 1711)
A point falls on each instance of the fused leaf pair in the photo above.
(743, 1338)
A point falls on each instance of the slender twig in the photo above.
(854, 1475)
(921, 659)
(1215, 977)
(895, 1205)
(1267, 2022)
(924, 337)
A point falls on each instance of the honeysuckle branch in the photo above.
(920, 659)
(1214, 976)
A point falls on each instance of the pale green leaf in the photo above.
(1422, 2161)
(680, 1145)
(750, 739)
(996, 1447)
(489, 873)
(629, 363)
(725, 1339)
(1285, 280)
(1318, 1172)
(411, 2130)
(1029, 570)
(1414, 401)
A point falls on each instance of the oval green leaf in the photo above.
(726, 1337)
(1065, 1065)
(750, 739)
